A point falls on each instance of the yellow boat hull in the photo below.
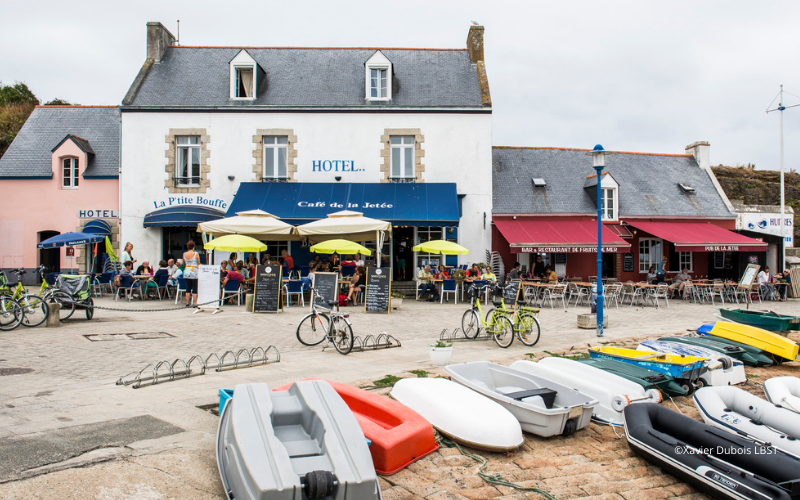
(758, 338)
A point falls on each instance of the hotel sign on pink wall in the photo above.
(98, 214)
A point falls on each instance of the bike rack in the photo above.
(165, 371)
(458, 336)
(371, 343)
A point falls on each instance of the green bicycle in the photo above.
(525, 319)
(10, 313)
(34, 307)
(496, 324)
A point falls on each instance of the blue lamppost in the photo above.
(598, 154)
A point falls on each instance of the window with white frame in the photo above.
(188, 161)
(607, 203)
(70, 174)
(649, 253)
(275, 157)
(378, 78)
(244, 82)
(402, 158)
(429, 234)
(685, 260)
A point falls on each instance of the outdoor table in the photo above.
(645, 287)
(536, 289)
(142, 279)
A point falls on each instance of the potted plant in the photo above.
(396, 300)
(441, 353)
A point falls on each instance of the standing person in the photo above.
(400, 259)
(288, 260)
(192, 260)
(538, 268)
(661, 270)
(126, 254)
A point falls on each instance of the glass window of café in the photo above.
(427, 234)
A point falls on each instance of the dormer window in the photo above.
(244, 76)
(70, 174)
(608, 203)
(378, 78)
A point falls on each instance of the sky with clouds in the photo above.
(631, 75)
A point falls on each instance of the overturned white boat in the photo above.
(612, 392)
(300, 443)
(784, 391)
(720, 369)
(736, 410)
(542, 406)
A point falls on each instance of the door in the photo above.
(50, 258)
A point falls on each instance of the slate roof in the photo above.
(308, 77)
(30, 155)
(648, 184)
(82, 143)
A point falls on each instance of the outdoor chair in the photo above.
(660, 292)
(294, 288)
(630, 291)
(304, 271)
(717, 290)
(743, 294)
(107, 281)
(181, 287)
(348, 271)
(127, 285)
(558, 292)
(230, 290)
(449, 286)
(755, 293)
(689, 291)
(578, 292)
(163, 281)
(612, 293)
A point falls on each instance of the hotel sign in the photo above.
(554, 249)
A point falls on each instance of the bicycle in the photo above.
(497, 324)
(326, 324)
(11, 313)
(526, 323)
(34, 307)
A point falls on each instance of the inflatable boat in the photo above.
(398, 435)
(720, 369)
(461, 414)
(612, 392)
(736, 410)
(784, 391)
(780, 347)
(543, 407)
(300, 443)
(719, 464)
(642, 376)
(734, 351)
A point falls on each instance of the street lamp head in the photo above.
(598, 153)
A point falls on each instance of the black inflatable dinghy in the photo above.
(717, 463)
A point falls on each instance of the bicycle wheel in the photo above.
(36, 310)
(489, 314)
(528, 330)
(471, 324)
(11, 313)
(312, 329)
(342, 336)
(64, 300)
(503, 331)
(89, 303)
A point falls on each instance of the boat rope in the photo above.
(675, 405)
(490, 478)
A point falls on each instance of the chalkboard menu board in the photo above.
(627, 262)
(267, 289)
(511, 292)
(379, 287)
(327, 285)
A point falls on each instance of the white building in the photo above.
(397, 134)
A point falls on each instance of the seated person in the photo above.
(783, 278)
(426, 285)
(550, 275)
(358, 260)
(514, 273)
(348, 261)
(243, 270)
(488, 275)
(232, 261)
(764, 280)
(358, 281)
(163, 269)
(223, 270)
(234, 275)
(474, 272)
(127, 270)
(177, 272)
(442, 274)
(144, 269)
(680, 281)
(652, 278)
(311, 270)
(333, 262)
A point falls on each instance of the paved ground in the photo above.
(71, 393)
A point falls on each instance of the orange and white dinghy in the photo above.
(399, 436)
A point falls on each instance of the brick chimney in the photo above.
(158, 37)
(475, 43)
(701, 150)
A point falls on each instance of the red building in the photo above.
(653, 206)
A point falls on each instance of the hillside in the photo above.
(760, 187)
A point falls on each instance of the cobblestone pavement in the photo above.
(73, 383)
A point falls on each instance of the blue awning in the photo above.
(97, 226)
(70, 240)
(181, 216)
(410, 204)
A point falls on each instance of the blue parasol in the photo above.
(71, 240)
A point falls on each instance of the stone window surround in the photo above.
(171, 154)
(386, 152)
(81, 255)
(291, 152)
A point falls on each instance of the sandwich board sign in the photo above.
(208, 288)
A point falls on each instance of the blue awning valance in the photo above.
(97, 226)
(181, 216)
(429, 204)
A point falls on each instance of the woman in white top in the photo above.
(126, 254)
(192, 260)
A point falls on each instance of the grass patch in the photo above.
(574, 357)
(419, 373)
(387, 381)
(531, 355)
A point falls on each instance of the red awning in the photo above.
(558, 236)
(700, 237)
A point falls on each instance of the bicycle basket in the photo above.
(75, 285)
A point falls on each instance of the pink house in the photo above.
(61, 174)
